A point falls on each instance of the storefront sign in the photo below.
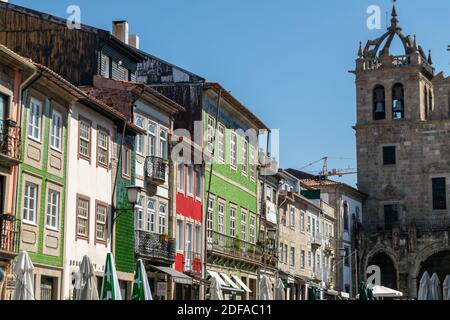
(161, 289)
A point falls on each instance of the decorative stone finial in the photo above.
(360, 51)
(430, 60)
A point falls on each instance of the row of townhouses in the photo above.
(106, 148)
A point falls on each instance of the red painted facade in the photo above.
(189, 219)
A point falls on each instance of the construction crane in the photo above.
(325, 173)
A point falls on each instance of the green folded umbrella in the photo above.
(363, 294)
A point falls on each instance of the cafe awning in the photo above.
(177, 277)
(242, 284)
(230, 282)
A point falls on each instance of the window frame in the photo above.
(389, 161)
(180, 233)
(56, 113)
(150, 222)
(57, 207)
(210, 216)
(190, 183)
(221, 154)
(210, 126)
(87, 122)
(26, 203)
(233, 150)
(252, 231)
(442, 198)
(139, 218)
(181, 179)
(221, 216)
(244, 158)
(163, 217)
(106, 133)
(126, 170)
(233, 219)
(198, 183)
(79, 236)
(152, 139)
(100, 204)
(244, 214)
(164, 143)
(31, 125)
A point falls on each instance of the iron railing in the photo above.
(9, 235)
(10, 141)
(155, 169)
(234, 247)
(193, 262)
(154, 246)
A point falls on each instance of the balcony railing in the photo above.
(10, 142)
(154, 246)
(316, 241)
(9, 236)
(193, 263)
(155, 169)
(234, 247)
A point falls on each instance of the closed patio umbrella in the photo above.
(265, 288)
(424, 287)
(24, 272)
(110, 284)
(279, 291)
(141, 287)
(435, 288)
(363, 294)
(215, 290)
(86, 281)
(446, 288)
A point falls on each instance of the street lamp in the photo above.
(132, 197)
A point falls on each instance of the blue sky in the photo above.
(287, 60)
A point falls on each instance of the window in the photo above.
(139, 137)
(302, 221)
(398, 102)
(34, 122)
(221, 134)
(345, 217)
(292, 256)
(181, 177)
(347, 257)
(151, 129)
(82, 217)
(190, 180)
(198, 183)
(318, 262)
(139, 214)
(102, 148)
(100, 222)
(292, 217)
(151, 216)
(3, 107)
(391, 213)
(243, 225)
(210, 217)
(162, 218)
(233, 149)
(126, 161)
(30, 203)
(309, 259)
(221, 217)
(302, 259)
(379, 103)
(163, 145)
(430, 96)
(252, 228)
(188, 246)
(52, 209)
(180, 235)
(85, 139)
(269, 194)
(106, 63)
(252, 163)
(56, 133)
(285, 251)
(389, 156)
(244, 157)
(210, 137)
(198, 239)
(439, 193)
(232, 221)
(309, 224)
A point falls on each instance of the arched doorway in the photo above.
(438, 263)
(387, 268)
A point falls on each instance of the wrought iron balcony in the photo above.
(155, 169)
(9, 236)
(316, 241)
(154, 246)
(10, 142)
(233, 247)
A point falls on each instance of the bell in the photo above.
(380, 107)
(398, 106)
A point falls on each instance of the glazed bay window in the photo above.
(210, 134)
(82, 217)
(34, 121)
(439, 189)
(30, 203)
(151, 216)
(180, 234)
(100, 222)
(233, 221)
(233, 150)
(52, 209)
(221, 143)
(162, 219)
(221, 229)
(84, 139)
(151, 129)
(56, 131)
(102, 148)
(139, 214)
(163, 144)
(243, 225)
(252, 228)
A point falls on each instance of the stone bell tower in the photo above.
(403, 153)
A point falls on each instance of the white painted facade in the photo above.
(91, 181)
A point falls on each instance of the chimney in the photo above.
(134, 41)
(120, 30)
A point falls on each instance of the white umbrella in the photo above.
(424, 287)
(446, 288)
(24, 272)
(110, 284)
(265, 290)
(215, 290)
(141, 287)
(86, 282)
(435, 288)
(384, 292)
(279, 290)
